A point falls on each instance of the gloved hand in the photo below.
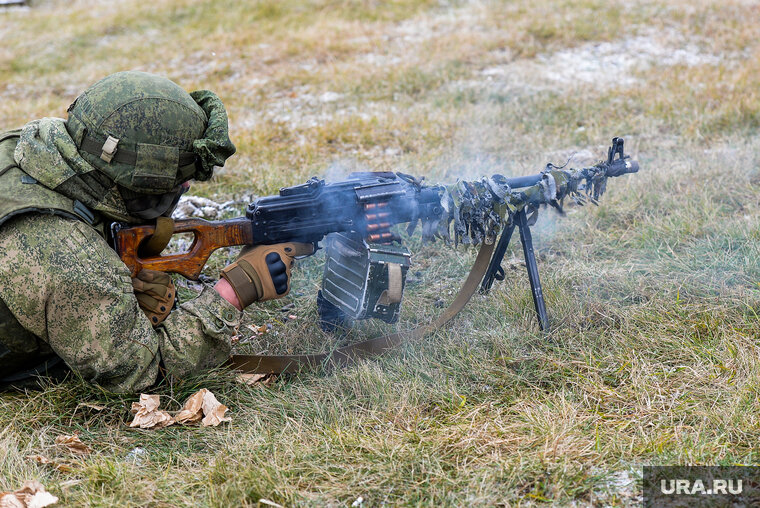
(155, 294)
(263, 272)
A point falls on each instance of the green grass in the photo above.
(653, 295)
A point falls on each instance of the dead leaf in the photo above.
(257, 379)
(9, 500)
(251, 379)
(148, 402)
(63, 466)
(213, 410)
(202, 406)
(31, 495)
(258, 330)
(73, 444)
(147, 415)
(192, 411)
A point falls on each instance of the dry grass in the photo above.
(653, 357)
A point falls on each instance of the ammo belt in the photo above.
(347, 355)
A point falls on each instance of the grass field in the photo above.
(653, 357)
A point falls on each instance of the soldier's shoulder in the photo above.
(48, 233)
(38, 220)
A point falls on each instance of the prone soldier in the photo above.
(126, 152)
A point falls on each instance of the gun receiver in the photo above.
(367, 204)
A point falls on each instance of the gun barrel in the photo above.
(618, 167)
(523, 181)
(622, 167)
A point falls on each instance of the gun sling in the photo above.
(279, 364)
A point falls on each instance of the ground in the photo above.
(653, 355)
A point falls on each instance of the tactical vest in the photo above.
(20, 193)
(22, 355)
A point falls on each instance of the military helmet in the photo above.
(134, 127)
(148, 135)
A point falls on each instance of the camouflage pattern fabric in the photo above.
(71, 292)
(64, 290)
(150, 116)
(19, 346)
(215, 146)
(46, 152)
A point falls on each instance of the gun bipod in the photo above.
(496, 271)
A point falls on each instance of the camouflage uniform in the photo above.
(71, 292)
(64, 292)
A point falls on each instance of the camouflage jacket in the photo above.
(64, 291)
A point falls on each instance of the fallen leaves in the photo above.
(213, 410)
(201, 407)
(257, 379)
(147, 415)
(192, 411)
(64, 466)
(31, 495)
(73, 444)
(259, 330)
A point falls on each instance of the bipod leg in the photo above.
(495, 270)
(532, 266)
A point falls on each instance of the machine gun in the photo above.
(366, 265)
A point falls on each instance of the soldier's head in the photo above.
(149, 136)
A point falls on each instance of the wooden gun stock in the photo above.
(208, 236)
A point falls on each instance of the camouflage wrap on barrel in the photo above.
(67, 288)
(475, 211)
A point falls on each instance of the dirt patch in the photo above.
(600, 64)
(618, 488)
(302, 108)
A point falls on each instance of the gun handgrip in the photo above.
(208, 236)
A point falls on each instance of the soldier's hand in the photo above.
(263, 272)
(155, 294)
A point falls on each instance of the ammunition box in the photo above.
(365, 280)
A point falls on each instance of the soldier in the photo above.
(129, 146)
